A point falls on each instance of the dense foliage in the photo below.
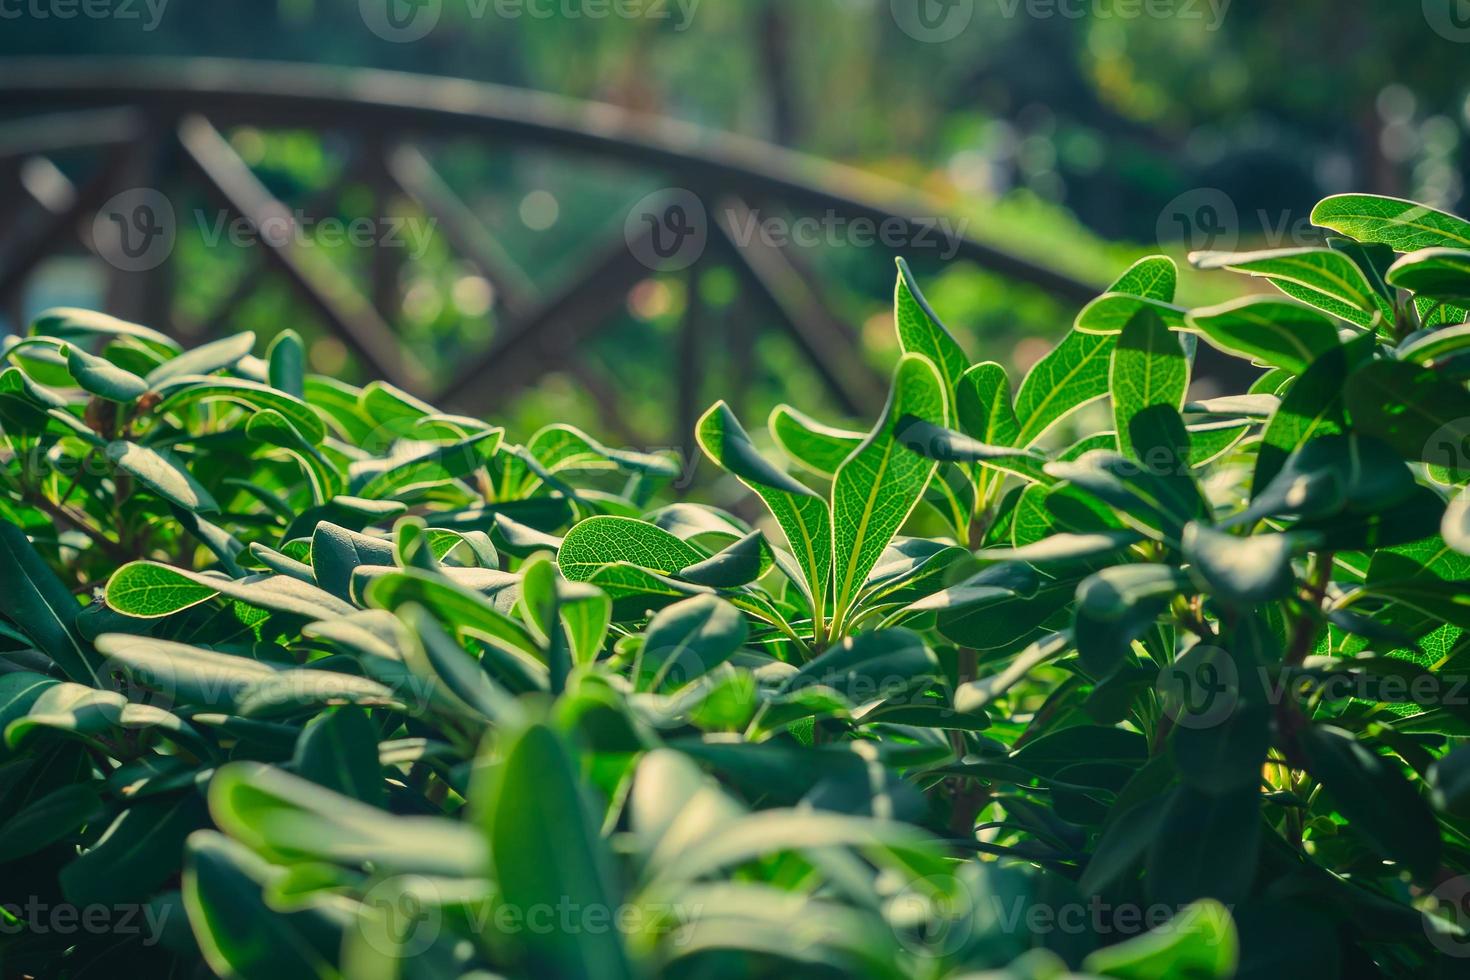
(301, 679)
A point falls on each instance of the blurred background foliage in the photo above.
(1072, 132)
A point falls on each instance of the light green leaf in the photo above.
(1269, 331)
(215, 356)
(1200, 942)
(803, 515)
(1148, 368)
(102, 378)
(185, 392)
(1402, 225)
(438, 466)
(1074, 374)
(819, 448)
(1323, 277)
(150, 590)
(921, 332)
(879, 485)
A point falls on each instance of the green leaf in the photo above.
(1109, 594)
(149, 590)
(561, 448)
(204, 360)
(1312, 407)
(1243, 571)
(1380, 804)
(456, 678)
(1269, 331)
(163, 473)
(459, 608)
(1206, 847)
(983, 407)
(599, 541)
(817, 447)
(186, 392)
(1200, 942)
(287, 359)
(440, 465)
(70, 323)
(141, 850)
(42, 607)
(1416, 411)
(52, 818)
(544, 850)
(1402, 225)
(921, 332)
(879, 485)
(337, 552)
(869, 667)
(239, 935)
(102, 378)
(1439, 273)
(933, 442)
(1424, 347)
(184, 674)
(803, 515)
(1074, 374)
(338, 749)
(1323, 277)
(686, 641)
(290, 820)
(1110, 313)
(273, 429)
(1152, 277)
(1148, 369)
(740, 564)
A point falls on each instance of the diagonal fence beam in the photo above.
(827, 343)
(67, 214)
(330, 293)
(456, 221)
(551, 332)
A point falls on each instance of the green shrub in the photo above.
(363, 689)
